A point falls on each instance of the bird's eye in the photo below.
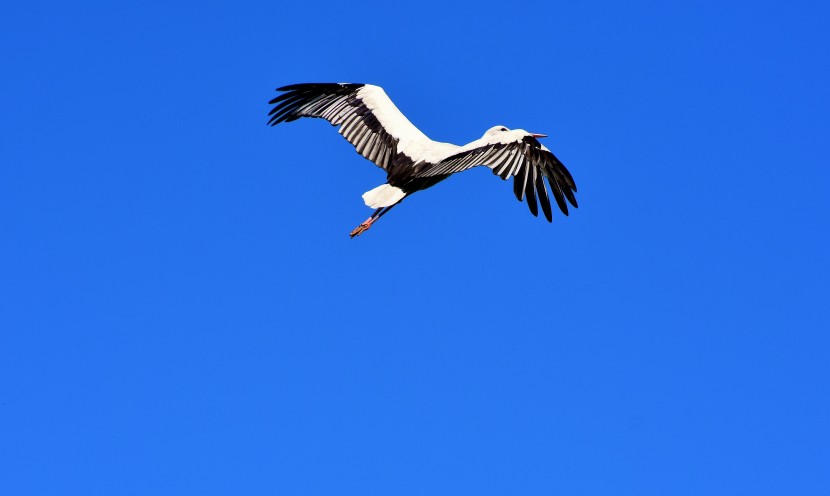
(503, 129)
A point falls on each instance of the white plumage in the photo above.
(384, 195)
(369, 120)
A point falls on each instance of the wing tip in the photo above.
(308, 86)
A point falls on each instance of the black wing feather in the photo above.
(543, 197)
(530, 191)
(519, 183)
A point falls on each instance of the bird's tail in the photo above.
(384, 195)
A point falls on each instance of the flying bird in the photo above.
(381, 133)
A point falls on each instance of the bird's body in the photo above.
(381, 133)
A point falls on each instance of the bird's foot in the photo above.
(359, 229)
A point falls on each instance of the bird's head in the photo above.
(502, 133)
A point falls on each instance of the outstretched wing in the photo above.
(367, 118)
(523, 158)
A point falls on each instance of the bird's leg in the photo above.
(368, 222)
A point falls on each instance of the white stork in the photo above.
(381, 133)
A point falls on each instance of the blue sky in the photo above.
(183, 312)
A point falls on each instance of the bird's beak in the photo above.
(539, 135)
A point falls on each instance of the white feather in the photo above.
(411, 141)
(384, 195)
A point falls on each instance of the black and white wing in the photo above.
(367, 118)
(523, 158)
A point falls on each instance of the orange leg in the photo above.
(366, 224)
